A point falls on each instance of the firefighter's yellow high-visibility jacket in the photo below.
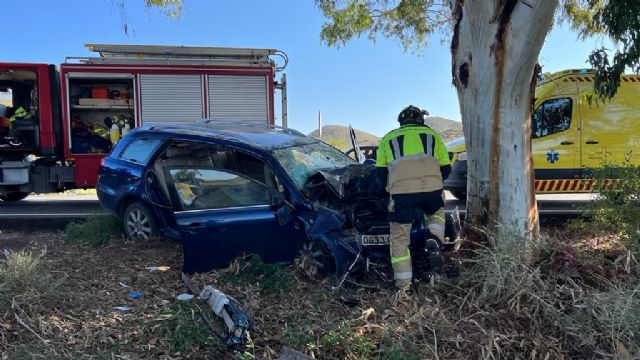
(413, 155)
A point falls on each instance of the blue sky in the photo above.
(363, 83)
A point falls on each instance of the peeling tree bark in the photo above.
(495, 48)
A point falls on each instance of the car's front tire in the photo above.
(138, 222)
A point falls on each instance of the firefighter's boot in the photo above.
(400, 255)
(436, 224)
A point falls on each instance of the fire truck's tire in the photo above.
(16, 196)
(459, 195)
(138, 222)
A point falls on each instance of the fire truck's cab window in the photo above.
(18, 109)
(551, 117)
(101, 111)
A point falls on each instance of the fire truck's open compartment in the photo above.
(18, 110)
(95, 104)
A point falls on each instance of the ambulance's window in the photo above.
(551, 117)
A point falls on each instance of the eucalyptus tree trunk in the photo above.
(495, 48)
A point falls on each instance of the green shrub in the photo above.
(344, 343)
(23, 272)
(95, 230)
(270, 278)
(181, 328)
(616, 207)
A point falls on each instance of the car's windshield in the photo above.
(302, 161)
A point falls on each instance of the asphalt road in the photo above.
(78, 206)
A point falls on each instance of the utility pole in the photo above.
(320, 125)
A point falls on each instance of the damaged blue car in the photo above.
(227, 189)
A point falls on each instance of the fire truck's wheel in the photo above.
(320, 257)
(138, 222)
(16, 196)
(459, 195)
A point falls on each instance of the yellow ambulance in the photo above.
(569, 134)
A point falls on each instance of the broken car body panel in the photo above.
(229, 189)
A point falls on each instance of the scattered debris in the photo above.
(236, 321)
(185, 297)
(123, 285)
(135, 294)
(157, 268)
(122, 309)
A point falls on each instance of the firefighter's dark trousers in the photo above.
(402, 211)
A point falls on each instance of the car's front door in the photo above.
(222, 214)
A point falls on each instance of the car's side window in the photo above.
(140, 150)
(551, 117)
(197, 188)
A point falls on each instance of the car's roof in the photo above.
(264, 136)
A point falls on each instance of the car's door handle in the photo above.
(591, 142)
(568, 142)
(196, 225)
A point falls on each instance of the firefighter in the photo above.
(417, 163)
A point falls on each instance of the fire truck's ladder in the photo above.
(183, 55)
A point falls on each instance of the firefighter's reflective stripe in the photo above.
(400, 254)
(573, 185)
(397, 147)
(436, 224)
(395, 259)
(428, 143)
(407, 275)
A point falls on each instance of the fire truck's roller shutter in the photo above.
(241, 98)
(170, 98)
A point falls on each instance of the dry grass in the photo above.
(580, 300)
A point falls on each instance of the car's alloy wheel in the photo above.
(138, 223)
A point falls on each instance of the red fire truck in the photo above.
(57, 123)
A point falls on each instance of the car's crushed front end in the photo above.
(351, 216)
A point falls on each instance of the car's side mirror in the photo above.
(369, 162)
(283, 210)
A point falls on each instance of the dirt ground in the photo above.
(365, 319)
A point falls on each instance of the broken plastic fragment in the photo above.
(135, 294)
(122, 309)
(185, 297)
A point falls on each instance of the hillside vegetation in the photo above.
(338, 135)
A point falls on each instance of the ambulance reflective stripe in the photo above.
(562, 185)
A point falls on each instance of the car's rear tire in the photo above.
(15, 196)
(460, 195)
(138, 222)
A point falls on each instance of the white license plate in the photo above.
(374, 239)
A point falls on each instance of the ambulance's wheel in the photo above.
(15, 196)
(459, 195)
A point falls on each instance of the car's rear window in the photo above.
(140, 150)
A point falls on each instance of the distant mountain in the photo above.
(5, 102)
(338, 135)
(448, 129)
